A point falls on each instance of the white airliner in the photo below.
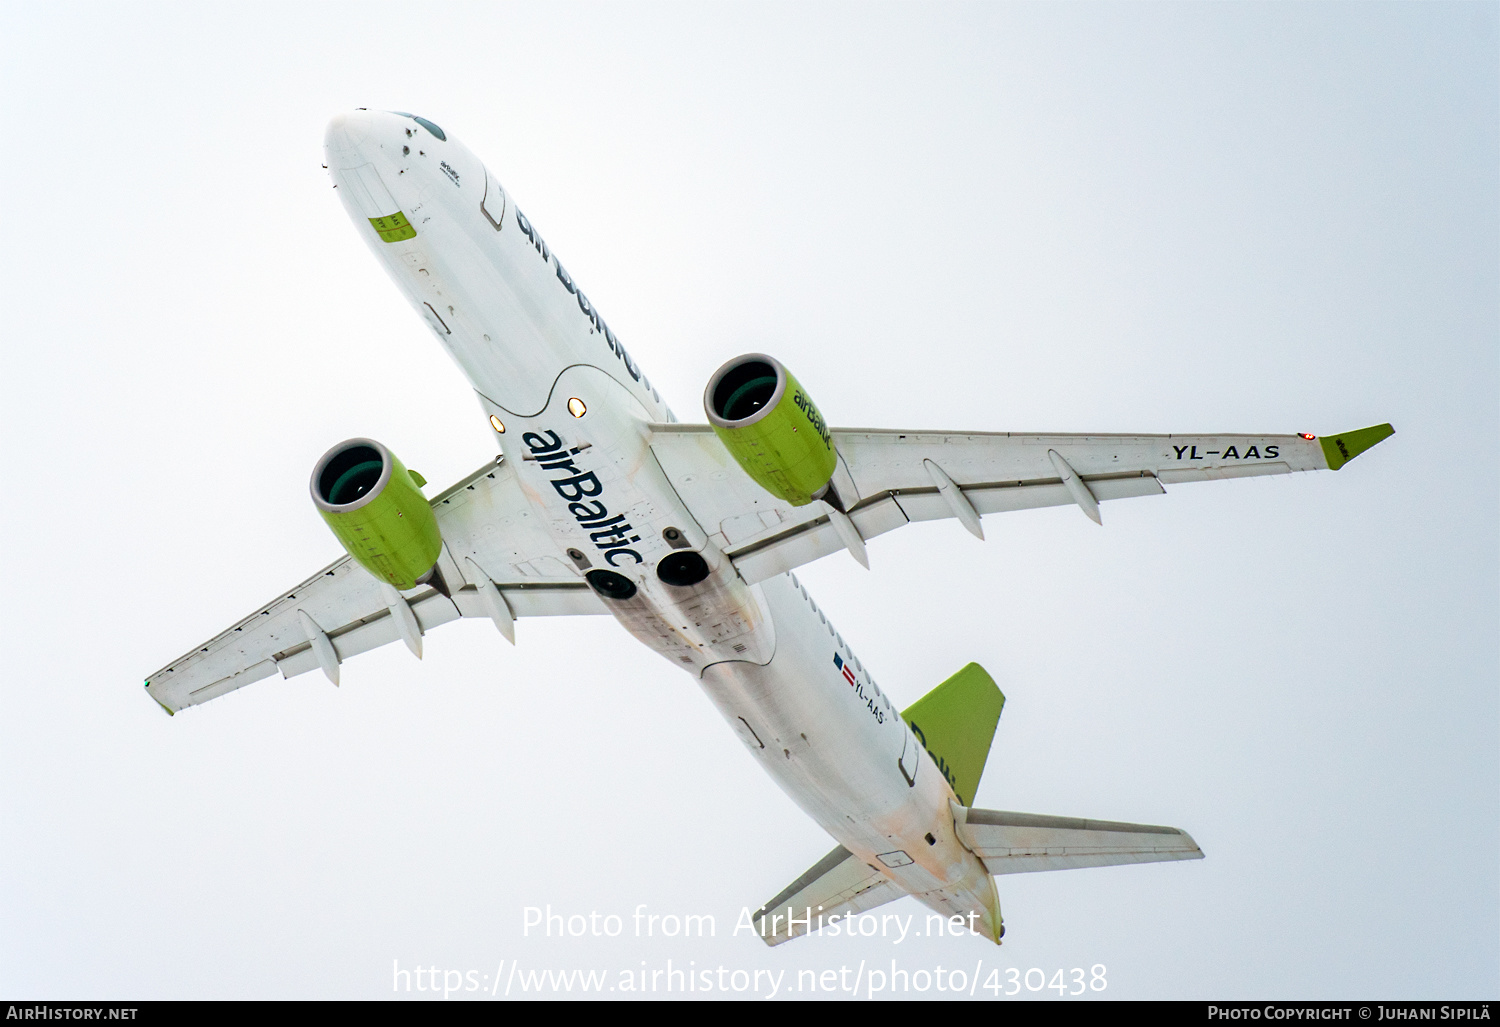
(601, 502)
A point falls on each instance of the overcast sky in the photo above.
(1105, 218)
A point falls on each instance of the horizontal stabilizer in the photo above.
(1023, 843)
(837, 885)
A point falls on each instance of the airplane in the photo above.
(600, 501)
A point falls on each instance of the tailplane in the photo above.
(955, 723)
(837, 886)
(1023, 843)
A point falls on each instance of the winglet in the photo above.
(1341, 448)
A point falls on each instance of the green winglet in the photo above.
(956, 723)
(1340, 449)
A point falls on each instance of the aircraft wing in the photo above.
(889, 478)
(490, 538)
(1023, 843)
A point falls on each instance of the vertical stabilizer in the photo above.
(955, 722)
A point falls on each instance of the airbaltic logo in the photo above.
(814, 417)
(611, 534)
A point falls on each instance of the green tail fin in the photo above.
(956, 723)
(1345, 446)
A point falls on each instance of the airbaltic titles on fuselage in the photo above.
(538, 244)
(609, 534)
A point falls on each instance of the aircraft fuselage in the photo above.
(570, 409)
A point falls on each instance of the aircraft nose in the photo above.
(344, 136)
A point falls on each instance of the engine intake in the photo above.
(376, 510)
(771, 427)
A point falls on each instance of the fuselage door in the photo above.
(493, 204)
(910, 759)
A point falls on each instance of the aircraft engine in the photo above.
(377, 511)
(771, 427)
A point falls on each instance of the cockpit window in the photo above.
(429, 126)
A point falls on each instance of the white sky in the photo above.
(1068, 218)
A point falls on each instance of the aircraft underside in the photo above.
(600, 501)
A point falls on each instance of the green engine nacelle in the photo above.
(376, 509)
(771, 427)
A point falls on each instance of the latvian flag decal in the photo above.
(838, 661)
